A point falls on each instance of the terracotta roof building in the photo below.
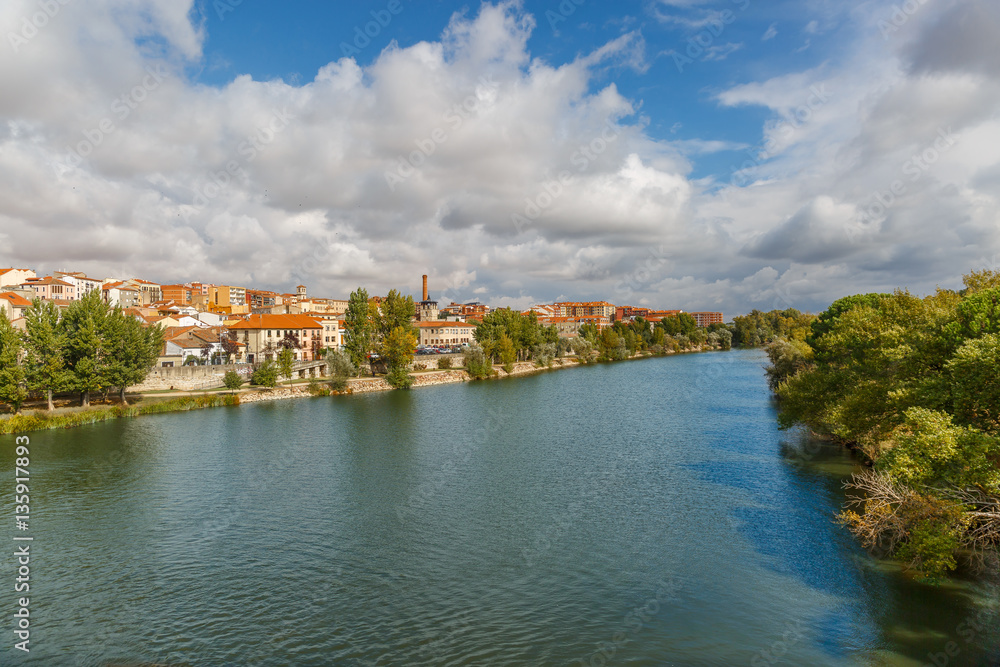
(263, 334)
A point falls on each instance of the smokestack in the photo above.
(425, 288)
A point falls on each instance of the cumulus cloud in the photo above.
(506, 178)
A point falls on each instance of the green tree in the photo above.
(232, 380)
(506, 352)
(359, 328)
(13, 390)
(477, 363)
(397, 349)
(265, 375)
(86, 352)
(341, 367)
(286, 360)
(46, 345)
(975, 383)
(133, 350)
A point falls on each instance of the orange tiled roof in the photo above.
(440, 324)
(278, 322)
(47, 280)
(15, 299)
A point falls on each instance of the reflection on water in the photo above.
(639, 513)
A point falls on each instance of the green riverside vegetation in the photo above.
(912, 384)
(21, 423)
(91, 348)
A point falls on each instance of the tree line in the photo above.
(912, 384)
(382, 336)
(90, 348)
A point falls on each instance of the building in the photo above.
(120, 294)
(466, 311)
(705, 319)
(13, 305)
(262, 335)
(332, 336)
(51, 289)
(567, 327)
(148, 292)
(427, 309)
(435, 333)
(227, 296)
(80, 282)
(261, 299)
(179, 294)
(583, 309)
(14, 277)
(628, 313)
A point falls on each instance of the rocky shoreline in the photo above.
(371, 385)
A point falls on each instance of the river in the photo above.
(638, 513)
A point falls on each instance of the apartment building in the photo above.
(121, 294)
(262, 334)
(705, 318)
(15, 277)
(436, 333)
(51, 289)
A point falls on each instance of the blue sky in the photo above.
(512, 160)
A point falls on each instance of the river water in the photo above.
(639, 513)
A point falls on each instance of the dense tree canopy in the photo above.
(91, 347)
(914, 385)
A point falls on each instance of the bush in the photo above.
(543, 354)
(583, 350)
(316, 389)
(265, 375)
(420, 367)
(444, 363)
(477, 364)
(398, 378)
(338, 383)
(232, 380)
(788, 357)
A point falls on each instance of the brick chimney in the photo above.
(425, 288)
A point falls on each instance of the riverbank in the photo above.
(41, 420)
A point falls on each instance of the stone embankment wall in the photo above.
(187, 378)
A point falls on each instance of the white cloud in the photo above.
(293, 185)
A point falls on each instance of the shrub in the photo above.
(477, 364)
(232, 380)
(583, 350)
(444, 363)
(265, 375)
(543, 354)
(398, 378)
(316, 389)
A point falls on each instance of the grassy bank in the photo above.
(42, 421)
